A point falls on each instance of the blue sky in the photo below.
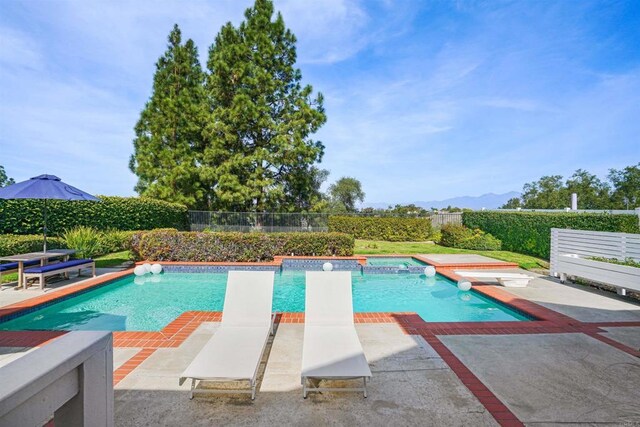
(425, 100)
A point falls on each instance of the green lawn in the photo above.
(105, 261)
(113, 260)
(371, 247)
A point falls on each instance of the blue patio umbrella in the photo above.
(45, 187)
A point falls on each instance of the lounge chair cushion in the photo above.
(57, 266)
(320, 358)
(233, 353)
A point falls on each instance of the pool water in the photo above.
(126, 306)
(395, 261)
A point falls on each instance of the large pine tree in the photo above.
(259, 148)
(168, 146)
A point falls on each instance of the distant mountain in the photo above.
(488, 201)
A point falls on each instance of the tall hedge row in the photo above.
(11, 244)
(530, 232)
(120, 213)
(391, 229)
(172, 245)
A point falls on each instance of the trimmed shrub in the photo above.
(89, 242)
(85, 240)
(12, 244)
(390, 229)
(120, 213)
(172, 245)
(459, 236)
(530, 232)
(116, 240)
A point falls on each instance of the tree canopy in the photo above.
(4, 179)
(622, 191)
(239, 136)
(347, 191)
(168, 145)
(259, 153)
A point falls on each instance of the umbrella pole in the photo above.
(44, 228)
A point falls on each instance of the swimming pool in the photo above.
(395, 262)
(126, 306)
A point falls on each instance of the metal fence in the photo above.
(275, 222)
(269, 222)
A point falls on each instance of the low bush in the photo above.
(459, 236)
(171, 245)
(390, 229)
(116, 240)
(120, 213)
(12, 244)
(530, 232)
(89, 242)
(85, 240)
(629, 262)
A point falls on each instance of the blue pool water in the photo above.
(395, 261)
(126, 306)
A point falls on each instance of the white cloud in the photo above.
(18, 50)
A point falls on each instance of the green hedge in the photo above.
(530, 232)
(119, 213)
(459, 236)
(11, 244)
(168, 245)
(390, 229)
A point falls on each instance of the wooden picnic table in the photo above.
(42, 256)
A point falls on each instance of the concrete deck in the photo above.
(555, 378)
(411, 386)
(583, 303)
(13, 295)
(581, 370)
(451, 259)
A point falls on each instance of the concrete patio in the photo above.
(581, 369)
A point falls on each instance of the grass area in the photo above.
(372, 247)
(113, 260)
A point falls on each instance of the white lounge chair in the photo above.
(235, 350)
(331, 349)
(509, 280)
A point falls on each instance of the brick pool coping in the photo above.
(176, 332)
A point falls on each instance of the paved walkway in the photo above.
(411, 386)
(12, 295)
(578, 366)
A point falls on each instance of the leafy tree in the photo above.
(347, 191)
(547, 193)
(592, 193)
(168, 145)
(512, 203)
(4, 180)
(302, 193)
(259, 151)
(626, 187)
(407, 210)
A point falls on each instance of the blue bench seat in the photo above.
(57, 266)
(42, 272)
(14, 265)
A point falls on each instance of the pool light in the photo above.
(327, 266)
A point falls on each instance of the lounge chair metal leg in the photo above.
(365, 386)
(193, 386)
(304, 388)
(253, 391)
